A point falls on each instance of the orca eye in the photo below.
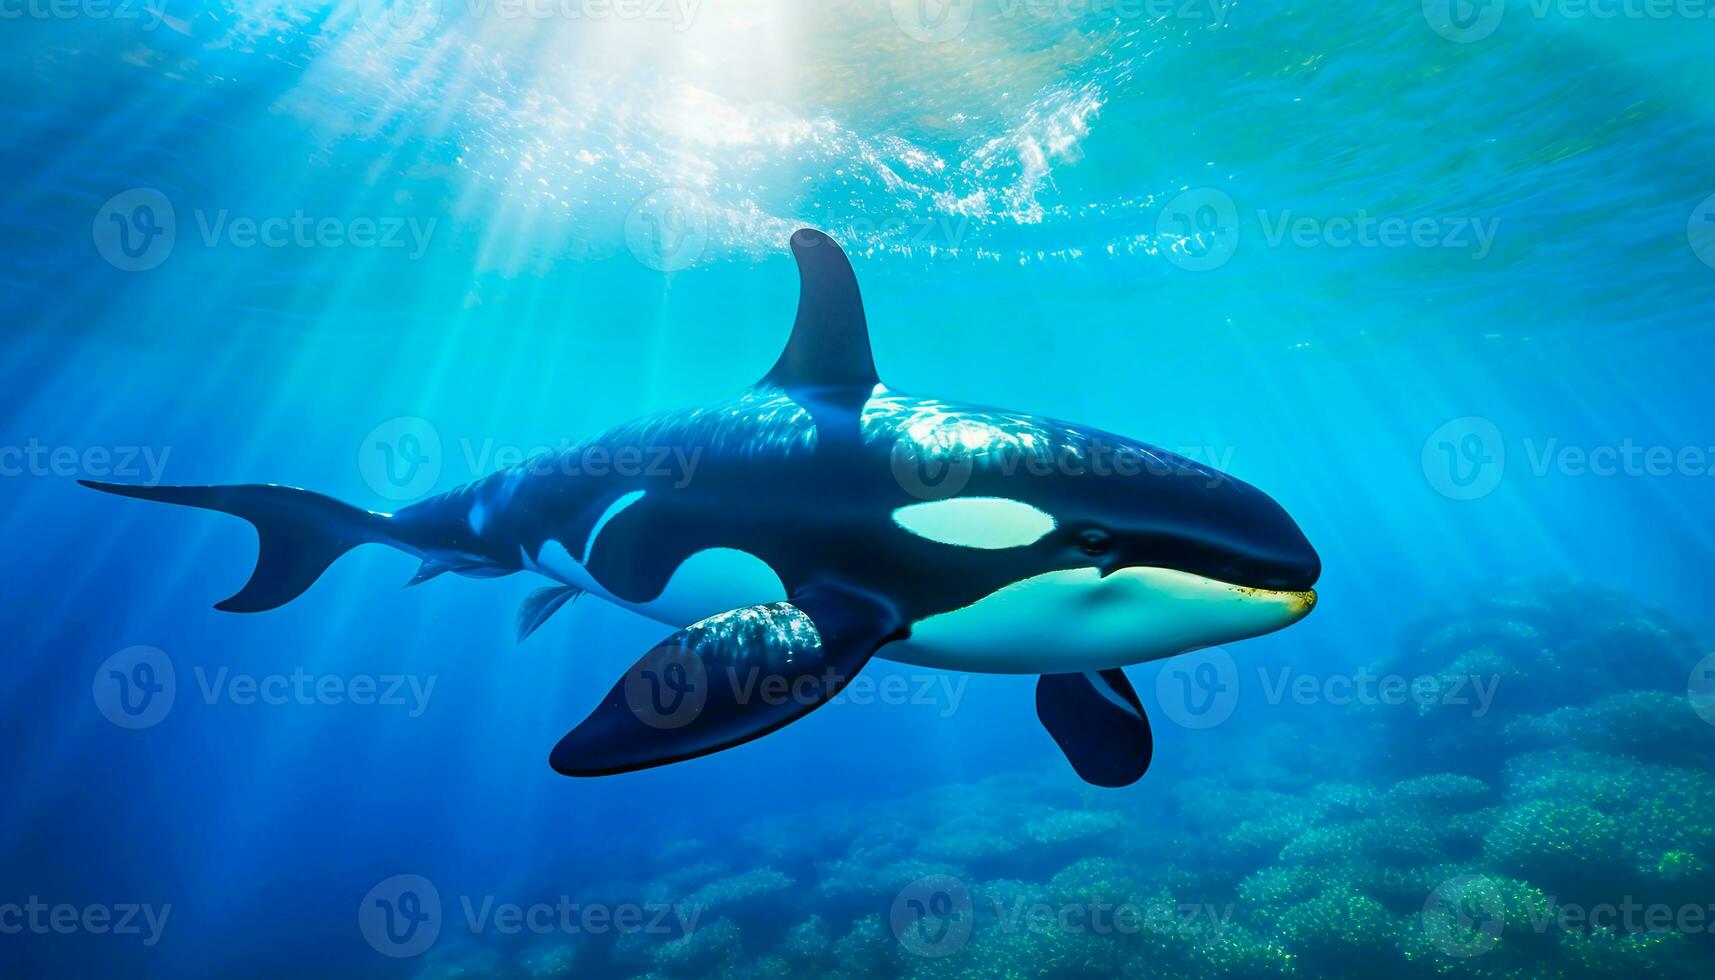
(1095, 542)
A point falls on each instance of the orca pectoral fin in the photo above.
(540, 605)
(727, 680)
(431, 569)
(468, 566)
(1099, 723)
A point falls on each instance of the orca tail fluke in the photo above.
(299, 533)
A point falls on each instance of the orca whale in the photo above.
(829, 520)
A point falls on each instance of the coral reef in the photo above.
(1561, 825)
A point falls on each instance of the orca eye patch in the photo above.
(990, 523)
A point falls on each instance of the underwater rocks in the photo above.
(750, 890)
(700, 952)
(1543, 838)
(1541, 647)
(1654, 726)
(1590, 825)
(553, 960)
(1072, 827)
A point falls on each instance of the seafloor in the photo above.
(1567, 830)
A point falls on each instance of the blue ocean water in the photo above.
(1436, 277)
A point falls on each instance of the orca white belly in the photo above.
(1076, 620)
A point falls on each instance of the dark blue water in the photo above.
(1445, 298)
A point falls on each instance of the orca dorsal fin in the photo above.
(830, 340)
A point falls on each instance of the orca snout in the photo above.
(1237, 534)
(1273, 552)
(1291, 565)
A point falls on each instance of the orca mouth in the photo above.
(1267, 575)
(1296, 569)
(1301, 587)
